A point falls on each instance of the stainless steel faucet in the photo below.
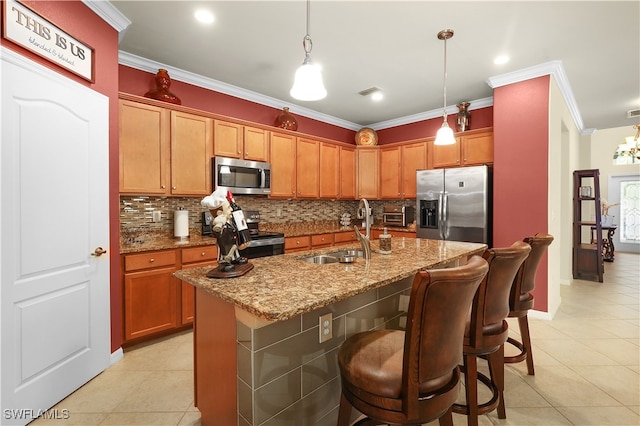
(364, 212)
(364, 243)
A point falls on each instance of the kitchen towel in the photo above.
(181, 223)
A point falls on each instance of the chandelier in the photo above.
(628, 152)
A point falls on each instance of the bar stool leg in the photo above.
(496, 368)
(344, 412)
(523, 323)
(471, 388)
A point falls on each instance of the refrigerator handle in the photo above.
(441, 214)
(445, 216)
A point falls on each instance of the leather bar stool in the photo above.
(412, 377)
(521, 298)
(487, 331)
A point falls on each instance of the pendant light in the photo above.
(445, 134)
(308, 85)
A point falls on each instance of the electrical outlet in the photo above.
(326, 327)
(156, 216)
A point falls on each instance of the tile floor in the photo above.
(587, 368)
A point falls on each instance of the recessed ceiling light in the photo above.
(502, 59)
(204, 16)
(377, 96)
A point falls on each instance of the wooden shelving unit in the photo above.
(588, 263)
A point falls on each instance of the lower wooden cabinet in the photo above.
(292, 244)
(375, 234)
(151, 294)
(156, 302)
(347, 237)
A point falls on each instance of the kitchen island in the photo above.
(257, 352)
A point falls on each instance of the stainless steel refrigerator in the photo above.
(454, 204)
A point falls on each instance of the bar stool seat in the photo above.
(412, 376)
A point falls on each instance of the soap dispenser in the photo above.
(385, 242)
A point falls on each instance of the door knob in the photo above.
(99, 251)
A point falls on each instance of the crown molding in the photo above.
(110, 15)
(147, 65)
(434, 113)
(554, 69)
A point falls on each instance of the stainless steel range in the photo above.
(262, 243)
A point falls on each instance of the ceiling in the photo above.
(256, 46)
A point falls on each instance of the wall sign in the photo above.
(28, 29)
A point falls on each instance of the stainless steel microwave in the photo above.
(241, 176)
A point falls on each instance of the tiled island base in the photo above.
(284, 375)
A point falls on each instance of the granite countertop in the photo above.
(140, 240)
(282, 287)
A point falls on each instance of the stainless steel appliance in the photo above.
(398, 215)
(454, 204)
(262, 243)
(241, 176)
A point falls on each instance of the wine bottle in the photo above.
(242, 230)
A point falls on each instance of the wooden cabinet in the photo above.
(367, 172)
(151, 294)
(346, 237)
(191, 151)
(347, 178)
(473, 147)
(398, 165)
(307, 168)
(329, 170)
(293, 244)
(237, 141)
(144, 148)
(375, 234)
(155, 302)
(194, 257)
(164, 152)
(588, 261)
(321, 240)
(283, 165)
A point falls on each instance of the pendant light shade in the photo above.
(445, 134)
(308, 84)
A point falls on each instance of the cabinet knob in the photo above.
(174, 188)
(239, 152)
(162, 186)
(203, 254)
(298, 242)
(152, 260)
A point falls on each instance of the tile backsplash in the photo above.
(137, 211)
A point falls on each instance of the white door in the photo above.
(54, 297)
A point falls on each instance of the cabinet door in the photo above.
(283, 165)
(477, 148)
(191, 151)
(446, 155)
(414, 157)
(144, 148)
(321, 240)
(329, 170)
(347, 179)
(307, 168)
(256, 144)
(150, 302)
(368, 177)
(227, 139)
(390, 164)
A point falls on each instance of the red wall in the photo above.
(480, 118)
(520, 175)
(80, 22)
(138, 82)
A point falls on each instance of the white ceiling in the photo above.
(392, 45)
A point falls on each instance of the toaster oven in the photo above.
(401, 216)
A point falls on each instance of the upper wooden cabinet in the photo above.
(471, 148)
(283, 165)
(144, 148)
(237, 141)
(398, 165)
(191, 151)
(367, 172)
(347, 178)
(164, 152)
(307, 168)
(329, 170)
